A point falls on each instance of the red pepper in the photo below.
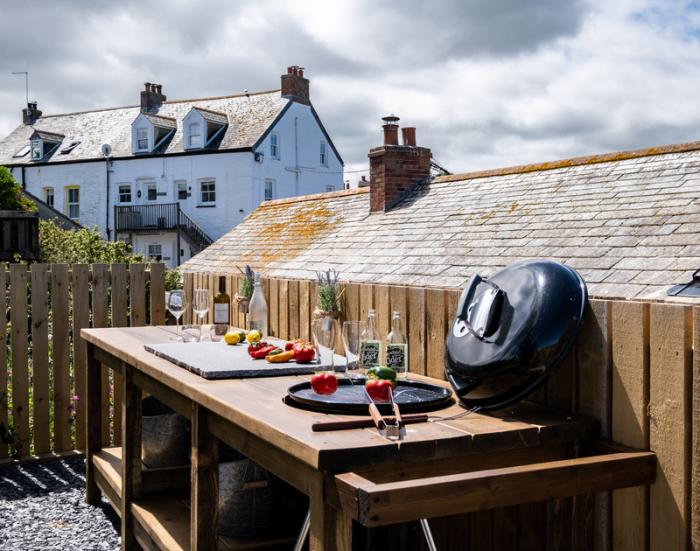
(324, 383)
(304, 352)
(378, 389)
(252, 348)
(261, 352)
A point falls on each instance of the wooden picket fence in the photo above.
(42, 359)
(635, 368)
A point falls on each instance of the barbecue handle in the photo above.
(376, 416)
(364, 422)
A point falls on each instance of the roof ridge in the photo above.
(171, 101)
(574, 161)
(315, 196)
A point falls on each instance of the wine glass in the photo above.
(351, 343)
(176, 306)
(324, 331)
(200, 303)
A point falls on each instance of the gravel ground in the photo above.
(42, 507)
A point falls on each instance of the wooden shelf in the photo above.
(163, 519)
(164, 523)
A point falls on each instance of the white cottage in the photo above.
(170, 177)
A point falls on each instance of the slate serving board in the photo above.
(217, 360)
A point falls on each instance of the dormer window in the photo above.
(150, 132)
(203, 127)
(42, 144)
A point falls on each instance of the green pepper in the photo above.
(275, 352)
(381, 372)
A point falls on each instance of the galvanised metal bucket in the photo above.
(248, 495)
(165, 436)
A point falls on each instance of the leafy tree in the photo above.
(11, 197)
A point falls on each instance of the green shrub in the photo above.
(11, 197)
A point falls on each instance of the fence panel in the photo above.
(60, 329)
(81, 319)
(20, 356)
(4, 392)
(40, 358)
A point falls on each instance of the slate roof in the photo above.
(628, 222)
(213, 116)
(248, 115)
(158, 120)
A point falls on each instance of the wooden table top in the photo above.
(256, 406)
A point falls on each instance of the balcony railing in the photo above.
(162, 217)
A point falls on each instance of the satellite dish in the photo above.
(106, 149)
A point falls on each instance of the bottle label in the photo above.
(397, 356)
(369, 353)
(221, 313)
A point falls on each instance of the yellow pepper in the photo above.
(281, 357)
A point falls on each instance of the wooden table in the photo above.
(522, 455)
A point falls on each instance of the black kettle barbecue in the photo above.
(512, 330)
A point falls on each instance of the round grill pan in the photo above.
(350, 398)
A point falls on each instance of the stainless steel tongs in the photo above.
(391, 431)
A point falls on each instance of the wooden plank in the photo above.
(532, 526)
(504, 535)
(20, 363)
(305, 309)
(479, 490)
(137, 294)
(480, 526)
(593, 394)
(416, 331)
(80, 287)
(188, 287)
(120, 301)
(157, 273)
(630, 425)
(273, 308)
(100, 318)
(131, 455)
(351, 302)
(695, 459)
(205, 483)
(366, 300)
(669, 412)
(436, 332)
(40, 357)
(293, 302)
(382, 308)
(93, 423)
(4, 395)
(60, 330)
(452, 298)
(283, 308)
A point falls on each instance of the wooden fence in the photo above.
(632, 368)
(42, 360)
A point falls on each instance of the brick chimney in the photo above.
(152, 97)
(31, 113)
(394, 170)
(295, 86)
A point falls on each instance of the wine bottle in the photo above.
(257, 309)
(396, 347)
(370, 344)
(222, 309)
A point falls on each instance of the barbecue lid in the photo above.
(511, 330)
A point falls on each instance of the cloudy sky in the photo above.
(487, 83)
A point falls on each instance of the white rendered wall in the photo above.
(240, 180)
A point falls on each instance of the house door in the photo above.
(146, 192)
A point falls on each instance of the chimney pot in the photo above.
(409, 136)
(152, 97)
(31, 113)
(391, 130)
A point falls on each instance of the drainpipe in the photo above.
(177, 225)
(24, 184)
(108, 163)
(296, 156)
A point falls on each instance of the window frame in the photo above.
(178, 190)
(37, 145)
(323, 154)
(119, 193)
(69, 204)
(272, 185)
(45, 196)
(191, 145)
(137, 139)
(202, 192)
(157, 257)
(147, 187)
(274, 145)
(330, 188)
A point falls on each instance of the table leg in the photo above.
(93, 423)
(204, 504)
(331, 529)
(131, 454)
